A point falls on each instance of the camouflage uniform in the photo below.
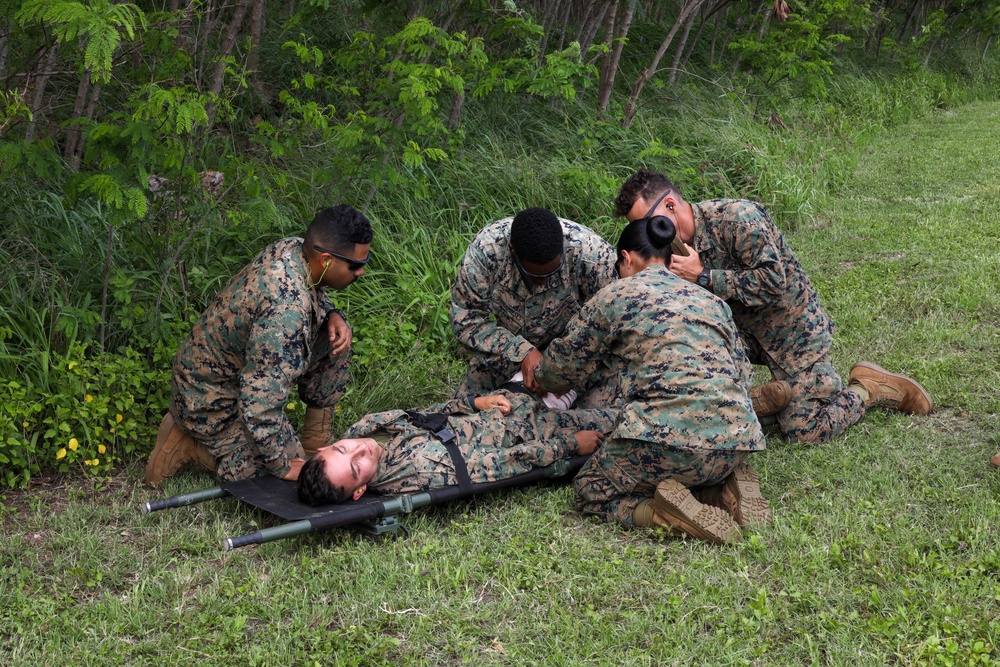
(495, 446)
(687, 414)
(499, 317)
(264, 333)
(778, 314)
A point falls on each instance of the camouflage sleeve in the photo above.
(574, 357)
(599, 270)
(752, 243)
(470, 314)
(488, 464)
(275, 357)
(737, 350)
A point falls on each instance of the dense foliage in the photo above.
(148, 150)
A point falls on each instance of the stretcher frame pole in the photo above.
(380, 520)
(184, 499)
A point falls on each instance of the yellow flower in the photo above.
(73, 444)
(61, 454)
(88, 398)
(25, 424)
(291, 405)
(93, 462)
(118, 419)
(101, 449)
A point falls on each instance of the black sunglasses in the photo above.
(529, 274)
(352, 264)
(653, 207)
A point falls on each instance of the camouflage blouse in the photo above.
(495, 311)
(686, 374)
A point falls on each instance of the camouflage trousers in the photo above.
(226, 436)
(488, 372)
(623, 472)
(821, 407)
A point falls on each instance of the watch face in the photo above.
(703, 278)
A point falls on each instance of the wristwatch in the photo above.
(704, 278)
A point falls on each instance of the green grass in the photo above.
(884, 548)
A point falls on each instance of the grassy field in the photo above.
(884, 547)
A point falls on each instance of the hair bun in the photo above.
(661, 231)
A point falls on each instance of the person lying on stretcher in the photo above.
(499, 436)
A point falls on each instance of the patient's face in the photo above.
(351, 463)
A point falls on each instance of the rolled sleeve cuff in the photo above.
(519, 349)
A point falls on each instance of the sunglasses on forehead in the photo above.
(352, 264)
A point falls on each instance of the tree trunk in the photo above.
(256, 29)
(228, 41)
(593, 24)
(909, 17)
(73, 133)
(4, 50)
(606, 78)
(694, 42)
(88, 114)
(679, 51)
(616, 54)
(565, 26)
(686, 10)
(41, 81)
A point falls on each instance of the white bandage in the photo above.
(552, 401)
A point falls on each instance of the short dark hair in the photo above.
(339, 228)
(644, 183)
(536, 236)
(315, 489)
(648, 237)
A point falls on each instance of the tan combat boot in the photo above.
(771, 398)
(316, 429)
(889, 390)
(995, 461)
(675, 507)
(739, 494)
(174, 449)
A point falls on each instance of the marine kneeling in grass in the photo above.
(688, 423)
(499, 436)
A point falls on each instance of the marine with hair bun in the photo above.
(677, 456)
(736, 252)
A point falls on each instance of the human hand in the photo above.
(339, 332)
(588, 441)
(493, 401)
(528, 365)
(296, 467)
(688, 267)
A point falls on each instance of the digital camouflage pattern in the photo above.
(777, 312)
(684, 386)
(495, 446)
(499, 317)
(263, 335)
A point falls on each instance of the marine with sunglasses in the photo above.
(736, 252)
(521, 281)
(271, 329)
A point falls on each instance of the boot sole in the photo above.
(751, 505)
(878, 369)
(674, 504)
